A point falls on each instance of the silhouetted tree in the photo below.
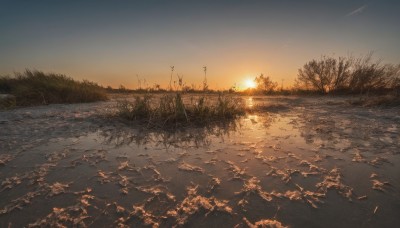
(157, 87)
(354, 75)
(265, 84)
(325, 75)
(122, 89)
(368, 75)
(395, 82)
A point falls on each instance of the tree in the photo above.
(265, 84)
(368, 75)
(395, 78)
(325, 75)
(122, 89)
(157, 87)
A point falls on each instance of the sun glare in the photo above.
(250, 84)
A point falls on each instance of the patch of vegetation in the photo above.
(173, 110)
(265, 84)
(7, 101)
(36, 88)
(348, 76)
(389, 100)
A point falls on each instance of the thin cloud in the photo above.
(357, 11)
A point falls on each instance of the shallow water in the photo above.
(305, 162)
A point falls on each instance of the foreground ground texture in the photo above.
(303, 162)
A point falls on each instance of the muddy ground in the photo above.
(303, 162)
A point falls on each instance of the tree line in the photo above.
(342, 75)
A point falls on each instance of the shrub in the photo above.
(139, 108)
(265, 84)
(36, 87)
(7, 101)
(349, 75)
(325, 75)
(369, 76)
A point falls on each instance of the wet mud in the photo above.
(297, 162)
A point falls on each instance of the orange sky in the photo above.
(113, 44)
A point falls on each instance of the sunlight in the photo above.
(250, 84)
(249, 102)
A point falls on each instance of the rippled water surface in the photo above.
(303, 162)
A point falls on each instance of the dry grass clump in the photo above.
(171, 109)
(139, 108)
(36, 87)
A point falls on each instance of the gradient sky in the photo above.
(111, 42)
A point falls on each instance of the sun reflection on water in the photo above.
(249, 102)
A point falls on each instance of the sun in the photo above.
(250, 84)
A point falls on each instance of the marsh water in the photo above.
(303, 162)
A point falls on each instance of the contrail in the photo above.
(357, 11)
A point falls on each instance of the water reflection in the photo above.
(186, 137)
(300, 167)
(249, 102)
(330, 129)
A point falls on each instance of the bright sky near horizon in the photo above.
(114, 42)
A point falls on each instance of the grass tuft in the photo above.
(174, 110)
(137, 109)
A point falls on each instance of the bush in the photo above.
(36, 87)
(369, 76)
(348, 75)
(265, 84)
(325, 75)
(7, 101)
(134, 110)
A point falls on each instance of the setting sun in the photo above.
(182, 113)
(250, 84)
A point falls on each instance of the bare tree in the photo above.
(325, 75)
(370, 75)
(354, 75)
(394, 71)
(265, 84)
(157, 87)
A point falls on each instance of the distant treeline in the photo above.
(328, 75)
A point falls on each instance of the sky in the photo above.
(118, 42)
